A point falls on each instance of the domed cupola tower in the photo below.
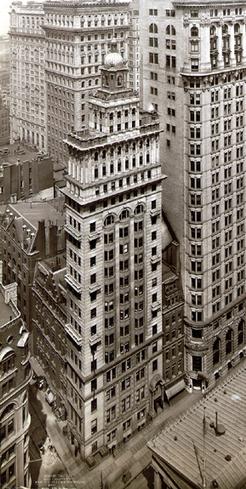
(114, 71)
(114, 107)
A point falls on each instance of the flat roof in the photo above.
(180, 444)
(11, 153)
(33, 212)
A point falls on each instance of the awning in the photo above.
(175, 389)
(49, 396)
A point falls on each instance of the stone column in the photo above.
(244, 43)
(220, 45)
(204, 46)
(232, 45)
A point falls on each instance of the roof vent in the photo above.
(228, 458)
(219, 428)
(214, 483)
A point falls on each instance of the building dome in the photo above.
(113, 59)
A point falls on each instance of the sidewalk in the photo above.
(134, 454)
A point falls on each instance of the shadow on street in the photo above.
(37, 434)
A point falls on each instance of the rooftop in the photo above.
(33, 212)
(211, 3)
(167, 273)
(12, 153)
(91, 138)
(225, 455)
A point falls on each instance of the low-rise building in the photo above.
(30, 231)
(205, 447)
(15, 375)
(49, 319)
(23, 172)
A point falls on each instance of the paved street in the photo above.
(59, 468)
(45, 463)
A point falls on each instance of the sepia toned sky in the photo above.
(4, 15)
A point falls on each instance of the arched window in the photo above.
(170, 30)
(225, 29)
(194, 32)
(229, 341)
(109, 220)
(8, 362)
(216, 351)
(9, 409)
(153, 29)
(240, 332)
(237, 29)
(124, 214)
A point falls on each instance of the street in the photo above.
(45, 464)
(58, 468)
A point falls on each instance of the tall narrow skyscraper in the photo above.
(114, 272)
(194, 74)
(27, 76)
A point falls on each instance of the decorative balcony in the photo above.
(155, 212)
(155, 259)
(95, 340)
(74, 232)
(156, 306)
(95, 288)
(73, 334)
(94, 235)
(75, 285)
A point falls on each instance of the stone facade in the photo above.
(5, 127)
(15, 376)
(27, 82)
(173, 321)
(134, 58)
(197, 83)
(23, 172)
(78, 35)
(49, 319)
(29, 232)
(114, 273)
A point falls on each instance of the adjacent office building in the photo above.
(77, 40)
(24, 173)
(15, 376)
(48, 326)
(114, 270)
(56, 51)
(27, 76)
(4, 127)
(194, 76)
(4, 63)
(134, 56)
